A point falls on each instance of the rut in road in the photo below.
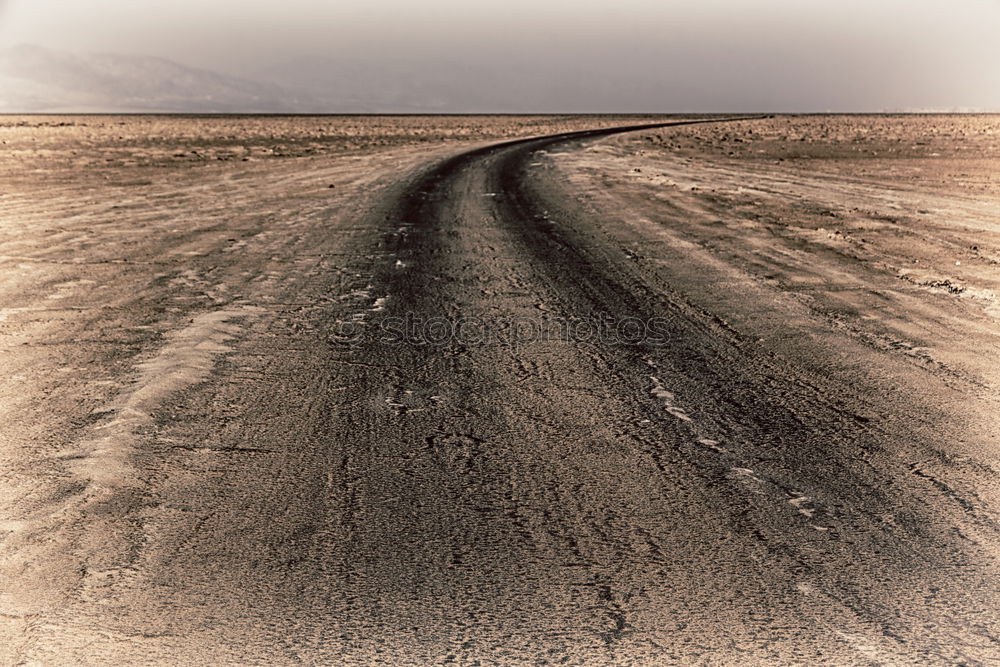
(603, 500)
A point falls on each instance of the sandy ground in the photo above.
(210, 447)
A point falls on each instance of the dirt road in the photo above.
(533, 403)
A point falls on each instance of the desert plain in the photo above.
(491, 390)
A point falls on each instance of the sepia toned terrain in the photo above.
(216, 445)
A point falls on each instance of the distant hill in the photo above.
(35, 79)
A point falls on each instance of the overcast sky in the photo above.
(648, 55)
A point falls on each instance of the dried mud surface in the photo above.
(209, 447)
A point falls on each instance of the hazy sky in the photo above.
(662, 55)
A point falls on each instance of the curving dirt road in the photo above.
(495, 410)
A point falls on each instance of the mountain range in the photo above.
(34, 79)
